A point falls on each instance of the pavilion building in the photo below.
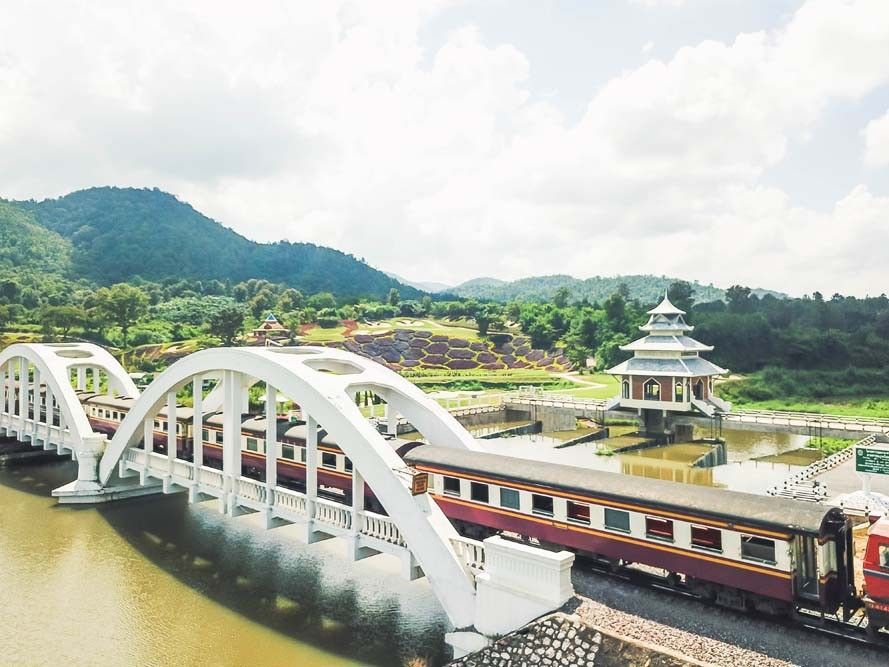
(666, 373)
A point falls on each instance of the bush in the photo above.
(328, 322)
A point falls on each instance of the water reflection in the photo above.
(739, 466)
(156, 581)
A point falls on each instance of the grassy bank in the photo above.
(853, 391)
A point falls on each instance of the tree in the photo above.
(227, 323)
(616, 311)
(290, 300)
(321, 300)
(122, 304)
(560, 299)
(682, 295)
(393, 297)
(262, 302)
(10, 291)
(486, 316)
(738, 298)
(62, 317)
(426, 304)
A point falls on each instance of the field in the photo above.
(458, 328)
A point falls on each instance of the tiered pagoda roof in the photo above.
(667, 350)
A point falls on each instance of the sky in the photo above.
(723, 141)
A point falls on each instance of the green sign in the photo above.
(872, 460)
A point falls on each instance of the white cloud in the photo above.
(876, 142)
(333, 123)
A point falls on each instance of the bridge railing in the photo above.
(471, 554)
(381, 527)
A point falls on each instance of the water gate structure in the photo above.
(486, 588)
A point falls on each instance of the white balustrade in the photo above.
(211, 477)
(158, 462)
(470, 552)
(250, 489)
(333, 514)
(290, 501)
(183, 469)
(381, 527)
(136, 456)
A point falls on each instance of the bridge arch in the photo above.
(323, 382)
(53, 364)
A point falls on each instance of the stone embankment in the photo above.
(565, 640)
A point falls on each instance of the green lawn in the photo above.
(861, 407)
(610, 388)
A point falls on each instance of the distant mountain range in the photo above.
(110, 235)
(431, 287)
(645, 288)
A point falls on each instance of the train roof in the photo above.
(709, 502)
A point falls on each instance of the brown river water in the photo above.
(158, 582)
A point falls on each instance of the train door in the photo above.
(807, 568)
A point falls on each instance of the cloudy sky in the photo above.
(726, 141)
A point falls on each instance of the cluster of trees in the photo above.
(749, 332)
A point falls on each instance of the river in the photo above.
(157, 581)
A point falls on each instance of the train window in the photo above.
(287, 452)
(617, 520)
(252, 445)
(328, 460)
(757, 548)
(205, 434)
(659, 529)
(451, 486)
(348, 464)
(478, 492)
(509, 498)
(578, 512)
(218, 437)
(703, 537)
(541, 504)
(302, 454)
(884, 555)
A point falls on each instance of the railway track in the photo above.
(827, 626)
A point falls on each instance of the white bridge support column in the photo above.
(197, 428)
(231, 440)
(24, 373)
(171, 441)
(148, 443)
(271, 453)
(89, 451)
(311, 536)
(97, 380)
(81, 378)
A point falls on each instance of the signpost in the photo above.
(872, 460)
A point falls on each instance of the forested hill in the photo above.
(644, 288)
(116, 234)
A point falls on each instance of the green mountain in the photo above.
(645, 288)
(115, 234)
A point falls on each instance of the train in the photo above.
(738, 550)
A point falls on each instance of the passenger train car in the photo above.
(742, 550)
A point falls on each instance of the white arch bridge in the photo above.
(40, 404)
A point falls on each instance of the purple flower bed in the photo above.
(461, 353)
(462, 364)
